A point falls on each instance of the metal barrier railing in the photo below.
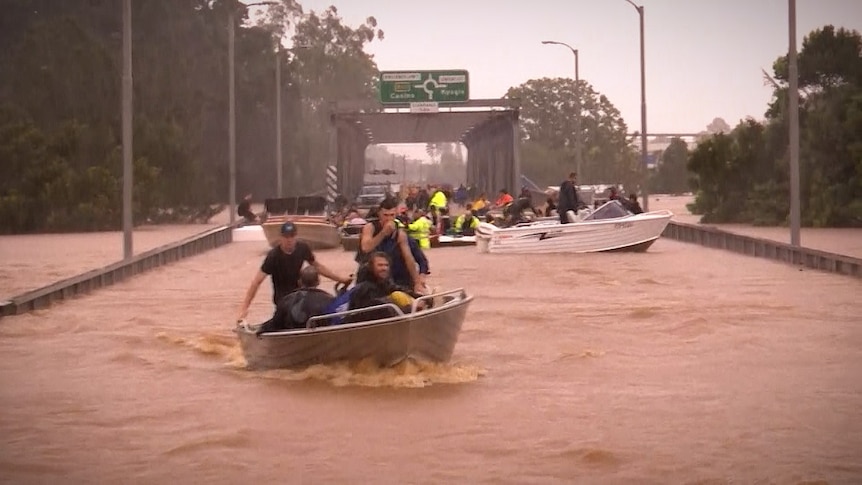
(116, 272)
(712, 237)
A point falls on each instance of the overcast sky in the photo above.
(703, 57)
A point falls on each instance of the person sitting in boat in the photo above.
(379, 288)
(244, 211)
(294, 310)
(514, 214)
(480, 205)
(420, 229)
(282, 264)
(503, 199)
(632, 204)
(467, 222)
(383, 234)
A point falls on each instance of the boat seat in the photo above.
(571, 215)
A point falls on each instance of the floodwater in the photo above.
(679, 365)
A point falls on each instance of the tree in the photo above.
(744, 177)
(672, 176)
(548, 119)
(329, 63)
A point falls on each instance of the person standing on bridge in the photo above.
(283, 264)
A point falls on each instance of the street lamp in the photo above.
(127, 129)
(640, 10)
(578, 156)
(793, 108)
(278, 155)
(232, 107)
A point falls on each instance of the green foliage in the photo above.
(549, 122)
(744, 177)
(60, 72)
(672, 176)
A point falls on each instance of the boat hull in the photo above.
(631, 233)
(428, 335)
(314, 230)
(455, 241)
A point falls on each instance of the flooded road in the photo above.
(679, 365)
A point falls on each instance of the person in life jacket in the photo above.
(420, 229)
(438, 200)
(467, 222)
(379, 288)
(383, 235)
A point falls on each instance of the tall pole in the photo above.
(644, 157)
(231, 119)
(279, 165)
(578, 149)
(128, 170)
(793, 107)
(578, 152)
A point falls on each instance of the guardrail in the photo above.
(116, 272)
(712, 237)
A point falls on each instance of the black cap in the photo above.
(288, 229)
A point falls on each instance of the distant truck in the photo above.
(371, 195)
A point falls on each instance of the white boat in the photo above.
(308, 213)
(609, 228)
(425, 335)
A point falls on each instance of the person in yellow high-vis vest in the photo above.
(420, 229)
(467, 222)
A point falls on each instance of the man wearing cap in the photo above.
(283, 264)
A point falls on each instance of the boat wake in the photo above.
(408, 373)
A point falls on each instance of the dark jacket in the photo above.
(569, 199)
(294, 310)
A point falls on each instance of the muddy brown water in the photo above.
(679, 365)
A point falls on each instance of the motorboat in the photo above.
(428, 335)
(610, 227)
(308, 213)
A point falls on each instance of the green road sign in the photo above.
(419, 86)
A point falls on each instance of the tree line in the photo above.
(743, 175)
(60, 145)
(60, 140)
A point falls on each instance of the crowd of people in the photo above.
(392, 266)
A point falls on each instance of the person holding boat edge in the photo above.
(283, 264)
(379, 288)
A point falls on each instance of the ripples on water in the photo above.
(681, 365)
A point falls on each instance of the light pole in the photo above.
(640, 10)
(793, 107)
(232, 108)
(578, 155)
(127, 129)
(279, 169)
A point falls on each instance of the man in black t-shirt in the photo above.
(282, 265)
